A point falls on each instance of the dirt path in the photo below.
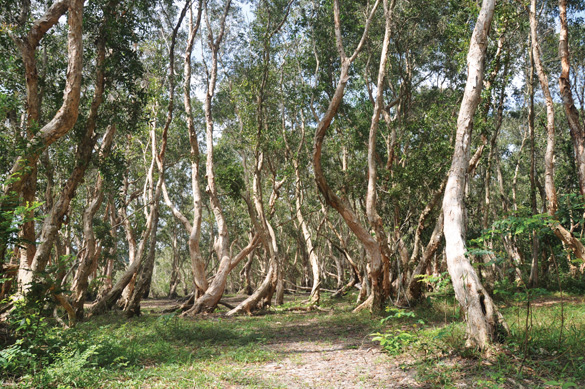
(331, 348)
(326, 358)
(320, 352)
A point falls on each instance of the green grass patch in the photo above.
(165, 350)
(546, 352)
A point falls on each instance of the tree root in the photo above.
(309, 308)
(367, 304)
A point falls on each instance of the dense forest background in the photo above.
(385, 150)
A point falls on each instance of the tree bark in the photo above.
(66, 116)
(84, 154)
(24, 169)
(80, 281)
(370, 244)
(209, 300)
(144, 274)
(374, 219)
(481, 313)
(194, 229)
(533, 280)
(174, 280)
(306, 238)
(575, 127)
(549, 185)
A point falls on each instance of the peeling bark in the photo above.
(24, 169)
(575, 127)
(370, 244)
(481, 313)
(549, 185)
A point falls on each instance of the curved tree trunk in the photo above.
(246, 276)
(194, 230)
(144, 271)
(414, 286)
(24, 168)
(144, 274)
(549, 185)
(209, 300)
(481, 313)
(262, 297)
(370, 244)
(259, 294)
(306, 238)
(135, 254)
(376, 268)
(109, 266)
(80, 280)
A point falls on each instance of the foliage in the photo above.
(438, 283)
(37, 340)
(12, 217)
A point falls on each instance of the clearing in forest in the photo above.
(289, 347)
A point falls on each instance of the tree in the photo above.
(22, 187)
(481, 313)
(561, 232)
(370, 244)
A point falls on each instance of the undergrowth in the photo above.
(539, 352)
(165, 350)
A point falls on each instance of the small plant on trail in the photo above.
(396, 341)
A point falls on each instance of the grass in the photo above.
(164, 350)
(537, 356)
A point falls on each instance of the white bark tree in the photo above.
(481, 313)
(561, 232)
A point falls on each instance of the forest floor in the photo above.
(334, 348)
(315, 350)
(291, 347)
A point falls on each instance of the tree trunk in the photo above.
(259, 294)
(306, 237)
(414, 287)
(481, 313)
(80, 280)
(246, 276)
(575, 127)
(489, 259)
(109, 266)
(24, 169)
(370, 244)
(194, 230)
(209, 300)
(549, 185)
(144, 274)
(533, 280)
(174, 280)
(377, 273)
(135, 254)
